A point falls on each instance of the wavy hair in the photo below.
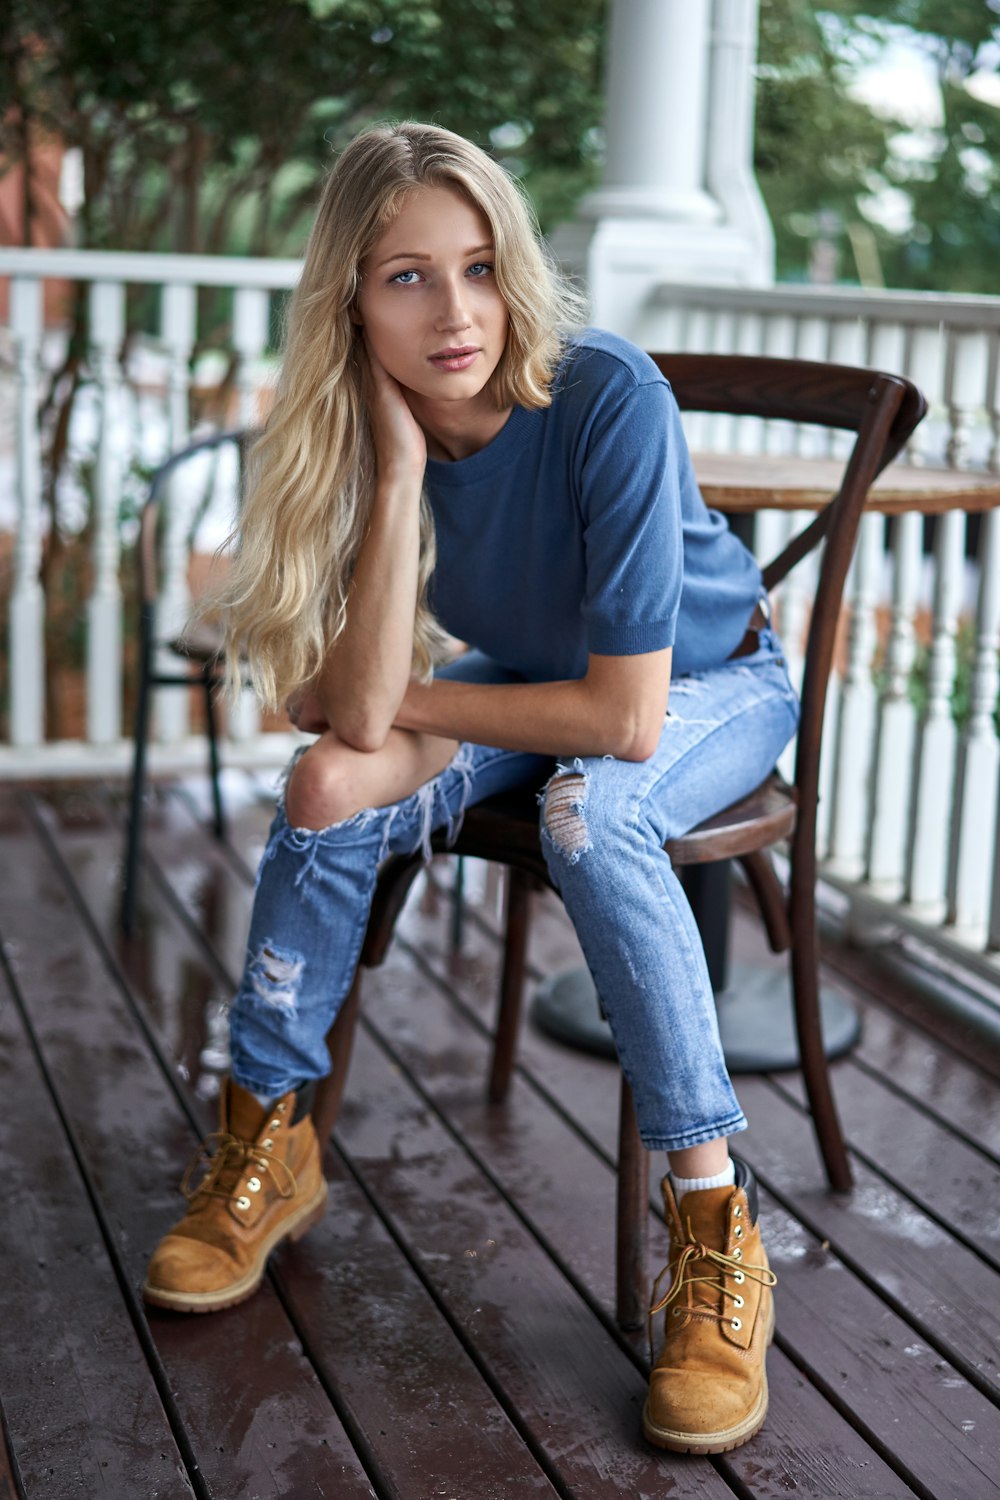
(311, 474)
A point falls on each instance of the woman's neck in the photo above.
(457, 429)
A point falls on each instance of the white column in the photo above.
(678, 201)
(657, 113)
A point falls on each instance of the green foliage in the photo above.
(818, 151)
(206, 128)
(824, 156)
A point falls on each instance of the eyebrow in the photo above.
(417, 255)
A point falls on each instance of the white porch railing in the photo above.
(910, 804)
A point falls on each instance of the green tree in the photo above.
(207, 129)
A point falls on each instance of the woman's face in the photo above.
(429, 303)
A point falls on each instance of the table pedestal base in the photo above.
(756, 1018)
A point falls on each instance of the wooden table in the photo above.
(742, 483)
(754, 1003)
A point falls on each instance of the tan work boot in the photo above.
(708, 1389)
(264, 1184)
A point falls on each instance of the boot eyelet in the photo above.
(254, 1185)
(280, 1109)
(243, 1203)
(738, 1231)
(736, 1325)
(262, 1165)
(739, 1278)
(737, 1253)
(737, 1301)
(267, 1145)
(274, 1125)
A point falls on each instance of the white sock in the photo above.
(684, 1185)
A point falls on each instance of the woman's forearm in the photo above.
(367, 672)
(601, 714)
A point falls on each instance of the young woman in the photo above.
(446, 462)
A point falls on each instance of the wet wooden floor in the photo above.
(447, 1331)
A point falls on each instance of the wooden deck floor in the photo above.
(447, 1330)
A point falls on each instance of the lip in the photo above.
(459, 358)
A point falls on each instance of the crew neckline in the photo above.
(486, 459)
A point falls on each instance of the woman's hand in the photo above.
(306, 712)
(400, 445)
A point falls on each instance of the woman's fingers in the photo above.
(399, 442)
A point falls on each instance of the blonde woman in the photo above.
(447, 461)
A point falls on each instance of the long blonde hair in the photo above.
(312, 471)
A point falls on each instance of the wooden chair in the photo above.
(881, 410)
(198, 650)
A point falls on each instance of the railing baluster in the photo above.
(27, 603)
(979, 754)
(897, 718)
(927, 881)
(251, 315)
(856, 723)
(104, 608)
(177, 331)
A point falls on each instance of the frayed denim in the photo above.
(604, 822)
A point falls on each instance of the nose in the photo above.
(452, 310)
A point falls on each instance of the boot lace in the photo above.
(220, 1153)
(720, 1268)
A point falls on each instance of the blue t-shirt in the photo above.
(580, 528)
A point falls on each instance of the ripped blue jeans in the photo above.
(604, 822)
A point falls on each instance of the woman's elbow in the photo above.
(366, 733)
(638, 741)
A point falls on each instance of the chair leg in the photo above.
(130, 876)
(211, 724)
(519, 888)
(458, 905)
(813, 1061)
(339, 1042)
(632, 1217)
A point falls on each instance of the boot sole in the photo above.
(713, 1442)
(291, 1229)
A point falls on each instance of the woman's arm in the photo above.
(362, 683)
(616, 709)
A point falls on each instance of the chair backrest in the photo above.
(152, 513)
(881, 410)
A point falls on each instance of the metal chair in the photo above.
(882, 410)
(198, 650)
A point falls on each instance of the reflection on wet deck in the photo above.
(448, 1329)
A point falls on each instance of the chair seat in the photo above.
(763, 818)
(201, 642)
(505, 828)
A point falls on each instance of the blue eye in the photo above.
(481, 268)
(399, 277)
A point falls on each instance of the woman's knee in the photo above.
(319, 790)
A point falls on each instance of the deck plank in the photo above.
(69, 1346)
(539, 1345)
(273, 1432)
(888, 1349)
(415, 1399)
(454, 1311)
(565, 1190)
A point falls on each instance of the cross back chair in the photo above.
(881, 410)
(197, 649)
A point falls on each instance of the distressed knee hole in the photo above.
(276, 976)
(563, 814)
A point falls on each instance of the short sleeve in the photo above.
(629, 478)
